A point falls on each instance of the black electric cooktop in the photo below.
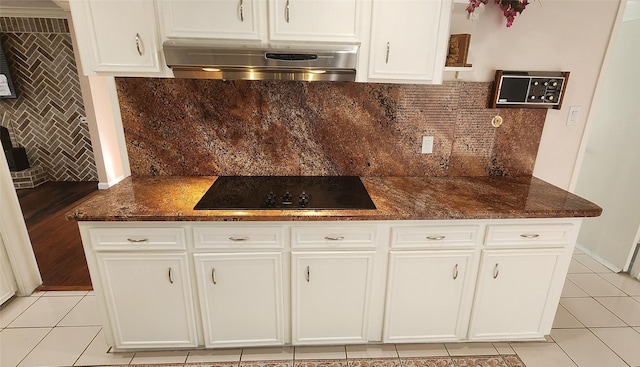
(286, 192)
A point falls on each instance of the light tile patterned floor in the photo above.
(597, 324)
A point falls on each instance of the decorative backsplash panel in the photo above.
(209, 127)
(45, 117)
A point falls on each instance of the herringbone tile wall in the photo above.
(45, 118)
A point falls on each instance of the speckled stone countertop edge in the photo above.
(171, 198)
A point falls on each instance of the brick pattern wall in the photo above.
(45, 118)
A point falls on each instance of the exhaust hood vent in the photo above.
(202, 60)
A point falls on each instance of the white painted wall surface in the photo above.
(557, 35)
(610, 171)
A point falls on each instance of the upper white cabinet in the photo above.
(409, 41)
(315, 20)
(116, 37)
(220, 19)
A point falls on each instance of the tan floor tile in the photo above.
(565, 320)
(572, 290)
(590, 313)
(267, 354)
(157, 357)
(541, 354)
(591, 263)
(585, 348)
(503, 348)
(13, 308)
(372, 351)
(626, 308)
(215, 355)
(625, 342)
(471, 349)
(320, 353)
(421, 350)
(625, 282)
(594, 285)
(576, 267)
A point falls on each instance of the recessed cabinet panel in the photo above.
(116, 36)
(513, 289)
(241, 298)
(330, 296)
(406, 40)
(149, 300)
(220, 19)
(428, 296)
(314, 20)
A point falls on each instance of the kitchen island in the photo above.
(439, 259)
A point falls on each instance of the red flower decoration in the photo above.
(510, 8)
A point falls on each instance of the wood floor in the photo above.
(56, 242)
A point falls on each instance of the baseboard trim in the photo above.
(106, 185)
(598, 258)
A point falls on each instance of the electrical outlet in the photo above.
(83, 120)
(427, 144)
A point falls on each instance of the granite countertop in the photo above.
(172, 198)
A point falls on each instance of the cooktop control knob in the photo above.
(287, 199)
(304, 199)
(270, 201)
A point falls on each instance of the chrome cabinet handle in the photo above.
(286, 12)
(170, 275)
(532, 235)
(139, 44)
(496, 271)
(436, 238)
(455, 272)
(239, 239)
(337, 238)
(137, 240)
(242, 10)
(308, 274)
(213, 276)
(386, 61)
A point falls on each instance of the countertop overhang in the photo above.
(172, 198)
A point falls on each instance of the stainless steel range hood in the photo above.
(202, 60)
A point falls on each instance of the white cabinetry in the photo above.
(331, 283)
(239, 273)
(409, 41)
(429, 292)
(7, 282)
(221, 19)
(315, 20)
(520, 280)
(149, 299)
(116, 37)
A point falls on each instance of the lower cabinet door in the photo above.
(149, 300)
(428, 295)
(330, 296)
(241, 298)
(512, 297)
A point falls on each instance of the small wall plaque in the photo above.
(458, 50)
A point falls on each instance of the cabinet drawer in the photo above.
(136, 239)
(547, 235)
(268, 237)
(332, 237)
(435, 236)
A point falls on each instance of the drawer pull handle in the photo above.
(137, 240)
(337, 238)
(532, 235)
(213, 276)
(436, 238)
(496, 271)
(239, 239)
(170, 275)
(455, 272)
(241, 10)
(308, 274)
(139, 45)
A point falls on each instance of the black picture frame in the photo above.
(7, 89)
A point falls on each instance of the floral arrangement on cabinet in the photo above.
(510, 8)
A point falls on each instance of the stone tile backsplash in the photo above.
(210, 127)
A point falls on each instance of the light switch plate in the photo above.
(427, 144)
(574, 113)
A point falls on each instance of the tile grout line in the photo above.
(87, 347)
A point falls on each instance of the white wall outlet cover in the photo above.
(574, 113)
(427, 144)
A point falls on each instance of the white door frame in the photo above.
(15, 236)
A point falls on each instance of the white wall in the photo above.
(610, 172)
(557, 35)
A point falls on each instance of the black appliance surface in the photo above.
(286, 192)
